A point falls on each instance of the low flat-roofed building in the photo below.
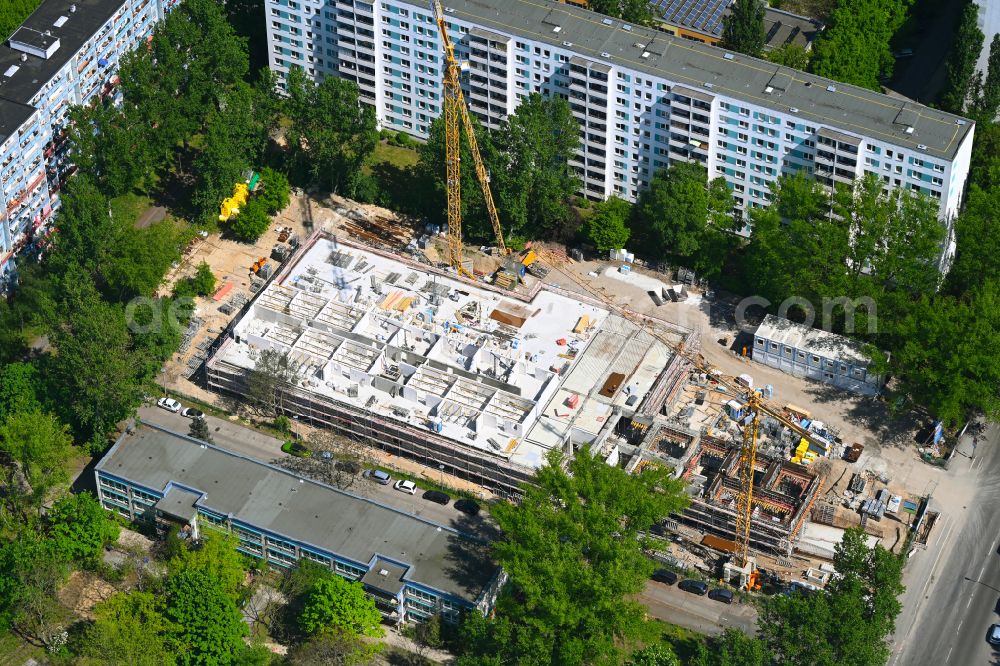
(412, 567)
(815, 354)
(702, 21)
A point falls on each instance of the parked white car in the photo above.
(169, 404)
(405, 486)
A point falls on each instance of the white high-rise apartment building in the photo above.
(65, 53)
(643, 98)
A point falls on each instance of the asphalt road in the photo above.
(248, 442)
(958, 601)
(701, 614)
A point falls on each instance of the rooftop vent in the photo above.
(769, 89)
(11, 71)
(449, 10)
(793, 110)
(607, 21)
(729, 56)
(567, 44)
(645, 54)
(605, 54)
(709, 85)
(383, 572)
(831, 88)
(24, 57)
(558, 28)
(626, 26)
(921, 146)
(909, 130)
(60, 22)
(72, 9)
(959, 122)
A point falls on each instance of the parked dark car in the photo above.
(349, 466)
(437, 496)
(665, 576)
(721, 594)
(694, 586)
(468, 506)
(192, 413)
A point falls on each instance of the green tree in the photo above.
(252, 221)
(328, 648)
(19, 383)
(272, 372)
(122, 261)
(986, 93)
(331, 134)
(848, 623)
(203, 281)
(80, 528)
(13, 13)
(129, 628)
(199, 430)
(734, 648)
(216, 557)
(31, 573)
(607, 228)
(684, 216)
(235, 137)
(854, 48)
(204, 619)
(743, 28)
(110, 145)
(533, 181)
(274, 190)
(938, 361)
(98, 372)
(654, 655)
(37, 452)
(796, 246)
(790, 55)
(977, 240)
(632, 11)
(961, 64)
(575, 536)
(338, 605)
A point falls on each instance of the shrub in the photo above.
(252, 221)
(203, 282)
(274, 190)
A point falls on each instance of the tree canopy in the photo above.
(960, 67)
(204, 620)
(37, 451)
(80, 528)
(331, 134)
(337, 605)
(607, 228)
(684, 216)
(574, 536)
(743, 28)
(855, 46)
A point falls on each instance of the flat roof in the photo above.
(12, 116)
(302, 510)
(474, 365)
(79, 26)
(596, 37)
(817, 341)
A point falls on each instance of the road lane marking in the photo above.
(967, 607)
(948, 658)
(962, 621)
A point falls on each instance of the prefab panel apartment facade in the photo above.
(643, 98)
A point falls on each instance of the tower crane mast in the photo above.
(455, 109)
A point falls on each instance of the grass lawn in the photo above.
(15, 652)
(397, 156)
(130, 206)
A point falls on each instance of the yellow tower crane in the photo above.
(454, 108)
(754, 407)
